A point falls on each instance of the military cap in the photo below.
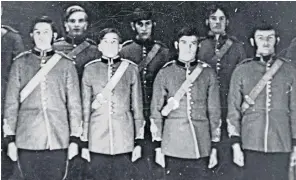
(141, 14)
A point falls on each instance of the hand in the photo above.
(213, 158)
(137, 153)
(85, 154)
(159, 158)
(153, 130)
(12, 151)
(238, 155)
(72, 150)
(293, 158)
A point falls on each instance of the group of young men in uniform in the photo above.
(133, 111)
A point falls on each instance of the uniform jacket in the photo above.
(112, 128)
(67, 44)
(225, 66)
(52, 112)
(270, 124)
(11, 45)
(136, 51)
(200, 106)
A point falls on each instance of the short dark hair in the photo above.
(213, 8)
(187, 31)
(44, 19)
(72, 9)
(264, 26)
(105, 31)
(141, 14)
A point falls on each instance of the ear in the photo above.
(252, 41)
(120, 47)
(66, 26)
(31, 35)
(100, 47)
(55, 35)
(227, 22)
(207, 22)
(154, 24)
(86, 26)
(133, 26)
(176, 44)
(278, 40)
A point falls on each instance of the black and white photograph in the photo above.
(148, 90)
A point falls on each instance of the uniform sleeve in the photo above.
(214, 109)
(74, 102)
(235, 99)
(86, 91)
(12, 100)
(293, 106)
(137, 105)
(18, 45)
(158, 100)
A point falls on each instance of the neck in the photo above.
(185, 60)
(217, 36)
(43, 48)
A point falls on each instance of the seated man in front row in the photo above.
(186, 96)
(113, 111)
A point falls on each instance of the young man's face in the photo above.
(265, 41)
(109, 45)
(187, 47)
(217, 22)
(76, 24)
(144, 29)
(42, 35)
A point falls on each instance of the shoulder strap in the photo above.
(78, 49)
(219, 54)
(34, 82)
(182, 90)
(149, 57)
(100, 98)
(250, 99)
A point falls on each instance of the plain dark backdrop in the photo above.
(170, 17)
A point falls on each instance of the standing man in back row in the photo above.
(150, 55)
(82, 50)
(223, 52)
(76, 44)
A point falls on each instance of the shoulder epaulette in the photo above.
(22, 54)
(129, 61)
(91, 41)
(9, 28)
(161, 43)
(60, 39)
(245, 61)
(127, 42)
(204, 64)
(285, 59)
(93, 61)
(65, 55)
(168, 63)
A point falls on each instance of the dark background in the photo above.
(170, 16)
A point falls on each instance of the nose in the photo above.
(144, 27)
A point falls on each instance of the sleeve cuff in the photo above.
(235, 139)
(10, 138)
(74, 139)
(157, 144)
(139, 142)
(294, 142)
(214, 144)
